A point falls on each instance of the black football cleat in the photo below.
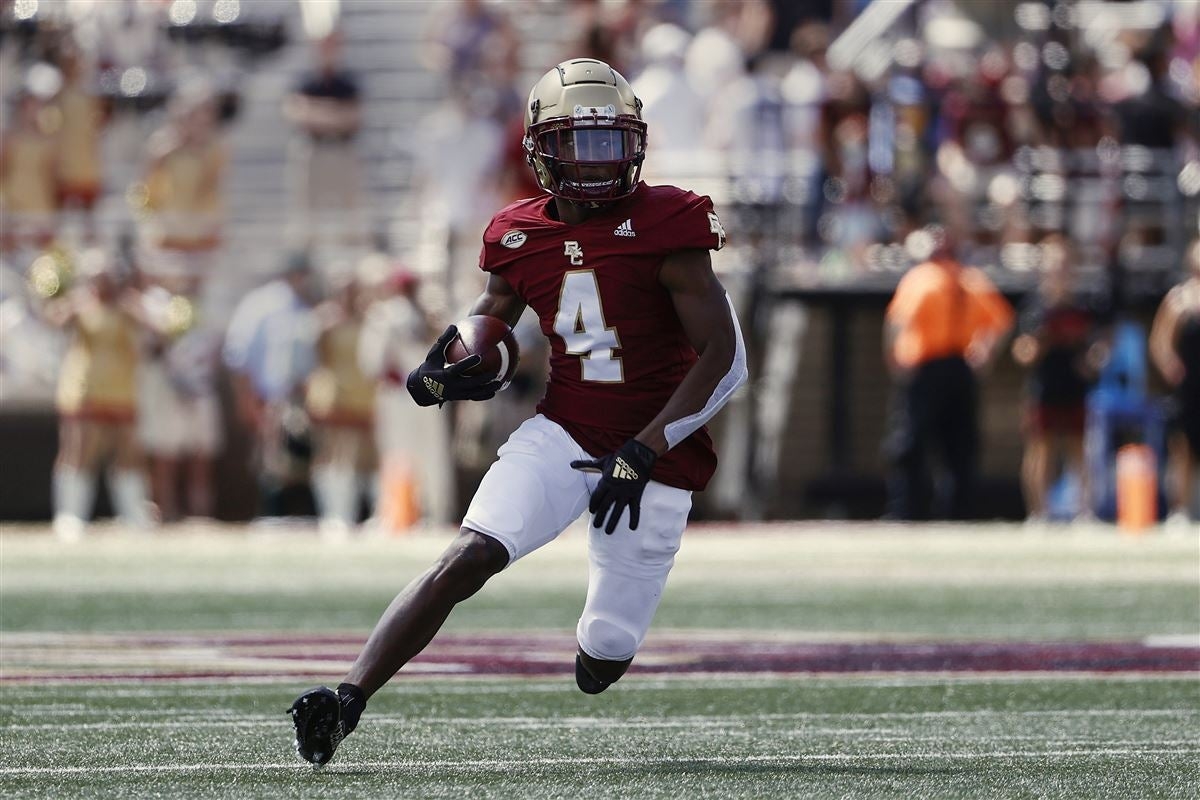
(587, 683)
(317, 715)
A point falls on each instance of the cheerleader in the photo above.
(97, 399)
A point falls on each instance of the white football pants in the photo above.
(531, 495)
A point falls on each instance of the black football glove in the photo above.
(436, 382)
(625, 474)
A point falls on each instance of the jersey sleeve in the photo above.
(688, 221)
(498, 252)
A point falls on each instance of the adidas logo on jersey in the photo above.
(621, 470)
(625, 229)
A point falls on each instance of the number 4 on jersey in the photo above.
(580, 323)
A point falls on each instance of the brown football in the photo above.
(490, 338)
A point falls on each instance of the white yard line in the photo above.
(723, 723)
(458, 682)
(451, 685)
(512, 764)
(184, 722)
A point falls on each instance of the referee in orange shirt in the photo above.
(941, 328)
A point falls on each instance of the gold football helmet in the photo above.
(584, 134)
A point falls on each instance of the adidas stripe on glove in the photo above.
(435, 381)
(624, 475)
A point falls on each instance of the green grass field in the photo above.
(162, 667)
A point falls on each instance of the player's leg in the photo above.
(907, 445)
(161, 426)
(366, 471)
(626, 575)
(200, 498)
(1191, 465)
(127, 479)
(164, 473)
(1073, 457)
(959, 434)
(333, 477)
(323, 717)
(200, 451)
(1035, 464)
(525, 500)
(74, 482)
(419, 611)
(1179, 474)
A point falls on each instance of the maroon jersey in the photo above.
(618, 350)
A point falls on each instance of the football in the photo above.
(491, 339)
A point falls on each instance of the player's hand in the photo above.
(436, 382)
(624, 475)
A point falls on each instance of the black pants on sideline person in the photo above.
(935, 411)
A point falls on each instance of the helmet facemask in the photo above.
(593, 156)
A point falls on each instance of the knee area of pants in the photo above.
(659, 547)
(643, 553)
(606, 639)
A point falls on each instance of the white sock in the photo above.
(337, 493)
(128, 488)
(321, 491)
(343, 486)
(74, 493)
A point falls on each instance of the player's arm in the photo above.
(435, 382)
(132, 303)
(499, 300)
(712, 328)
(249, 406)
(904, 305)
(61, 311)
(1162, 339)
(710, 324)
(159, 147)
(1029, 344)
(995, 318)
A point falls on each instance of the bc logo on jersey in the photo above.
(573, 251)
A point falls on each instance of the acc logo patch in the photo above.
(513, 239)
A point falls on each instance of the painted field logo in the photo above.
(513, 239)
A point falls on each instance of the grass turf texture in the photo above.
(690, 737)
(862, 735)
(949, 583)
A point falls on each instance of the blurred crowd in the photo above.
(831, 141)
(831, 133)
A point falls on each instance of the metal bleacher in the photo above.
(383, 42)
(383, 47)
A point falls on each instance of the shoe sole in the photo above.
(317, 716)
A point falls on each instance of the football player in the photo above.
(645, 349)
